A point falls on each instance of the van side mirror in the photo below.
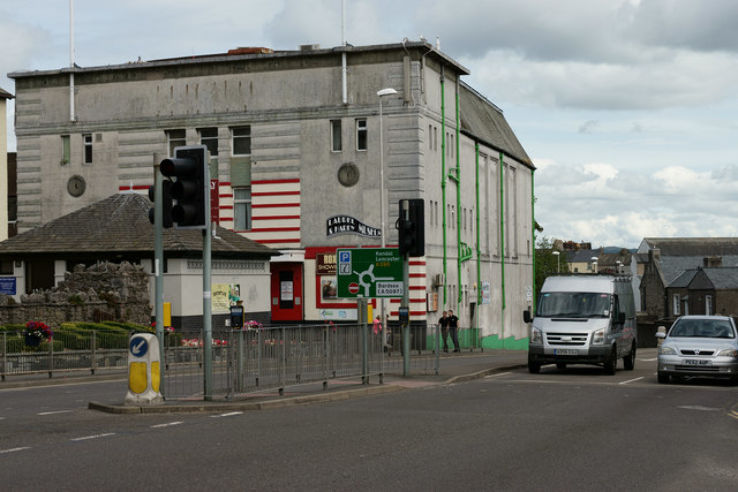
(526, 316)
(621, 318)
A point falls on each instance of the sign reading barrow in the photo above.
(369, 272)
(344, 224)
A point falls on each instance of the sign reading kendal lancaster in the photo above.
(344, 224)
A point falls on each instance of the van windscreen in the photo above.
(574, 305)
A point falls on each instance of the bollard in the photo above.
(143, 370)
(661, 329)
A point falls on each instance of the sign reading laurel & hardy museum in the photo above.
(344, 224)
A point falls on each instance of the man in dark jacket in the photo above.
(443, 323)
(453, 327)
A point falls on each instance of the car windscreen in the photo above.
(573, 305)
(702, 328)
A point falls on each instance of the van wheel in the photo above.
(561, 366)
(533, 366)
(611, 363)
(663, 377)
(629, 361)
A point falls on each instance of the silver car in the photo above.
(699, 346)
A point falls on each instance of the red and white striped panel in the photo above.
(418, 304)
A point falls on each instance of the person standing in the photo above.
(453, 327)
(443, 323)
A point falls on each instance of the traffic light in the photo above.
(411, 227)
(166, 195)
(191, 189)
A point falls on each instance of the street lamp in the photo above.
(594, 263)
(556, 254)
(388, 91)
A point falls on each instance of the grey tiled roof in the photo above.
(683, 280)
(694, 246)
(673, 266)
(485, 121)
(723, 277)
(120, 223)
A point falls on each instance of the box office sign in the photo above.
(344, 224)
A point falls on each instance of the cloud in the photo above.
(588, 126)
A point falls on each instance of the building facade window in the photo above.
(175, 138)
(242, 208)
(361, 134)
(336, 143)
(6, 267)
(241, 140)
(675, 304)
(209, 138)
(65, 150)
(87, 138)
(708, 304)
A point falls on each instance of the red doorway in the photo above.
(286, 293)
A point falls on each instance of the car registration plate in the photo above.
(566, 352)
(696, 362)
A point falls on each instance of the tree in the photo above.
(547, 263)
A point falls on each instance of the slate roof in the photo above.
(694, 246)
(673, 266)
(5, 94)
(483, 120)
(722, 278)
(120, 224)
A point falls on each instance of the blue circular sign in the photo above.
(138, 346)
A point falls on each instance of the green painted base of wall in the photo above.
(494, 342)
(469, 338)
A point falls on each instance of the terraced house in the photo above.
(301, 161)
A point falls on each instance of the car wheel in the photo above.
(663, 377)
(629, 360)
(611, 363)
(533, 366)
(561, 366)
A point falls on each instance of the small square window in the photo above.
(6, 267)
(209, 138)
(241, 140)
(336, 144)
(175, 138)
(361, 134)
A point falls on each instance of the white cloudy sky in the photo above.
(627, 107)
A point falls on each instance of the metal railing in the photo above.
(65, 352)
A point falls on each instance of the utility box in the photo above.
(144, 376)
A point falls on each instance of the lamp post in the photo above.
(388, 91)
(594, 263)
(556, 254)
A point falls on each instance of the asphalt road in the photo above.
(558, 430)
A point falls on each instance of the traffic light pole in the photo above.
(207, 326)
(158, 266)
(406, 326)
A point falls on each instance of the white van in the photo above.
(583, 319)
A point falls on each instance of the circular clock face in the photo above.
(348, 174)
(76, 185)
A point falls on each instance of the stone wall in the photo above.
(101, 292)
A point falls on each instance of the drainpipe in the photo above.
(479, 251)
(458, 200)
(533, 234)
(443, 182)
(502, 245)
(72, 116)
(344, 91)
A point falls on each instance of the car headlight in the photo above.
(599, 337)
(536, 336)
(666, 351)
(728, 353)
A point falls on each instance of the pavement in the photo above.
(454, 368)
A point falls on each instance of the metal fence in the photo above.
(64, 353)
(276, 357)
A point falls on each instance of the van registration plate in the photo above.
(566, 352)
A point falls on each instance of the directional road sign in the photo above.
(369, 272)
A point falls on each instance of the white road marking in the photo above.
(54, 412)
(229, 414)
(699, 407)
(498, 374)
(169, 424)
(94, 436)
(631, 380)
(13, 450)
(649, 360)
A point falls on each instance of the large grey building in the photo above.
(294, 138)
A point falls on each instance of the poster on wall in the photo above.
(224, 296)
(485, 292)
(286, 291)
(328, 288)
(339, 314)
